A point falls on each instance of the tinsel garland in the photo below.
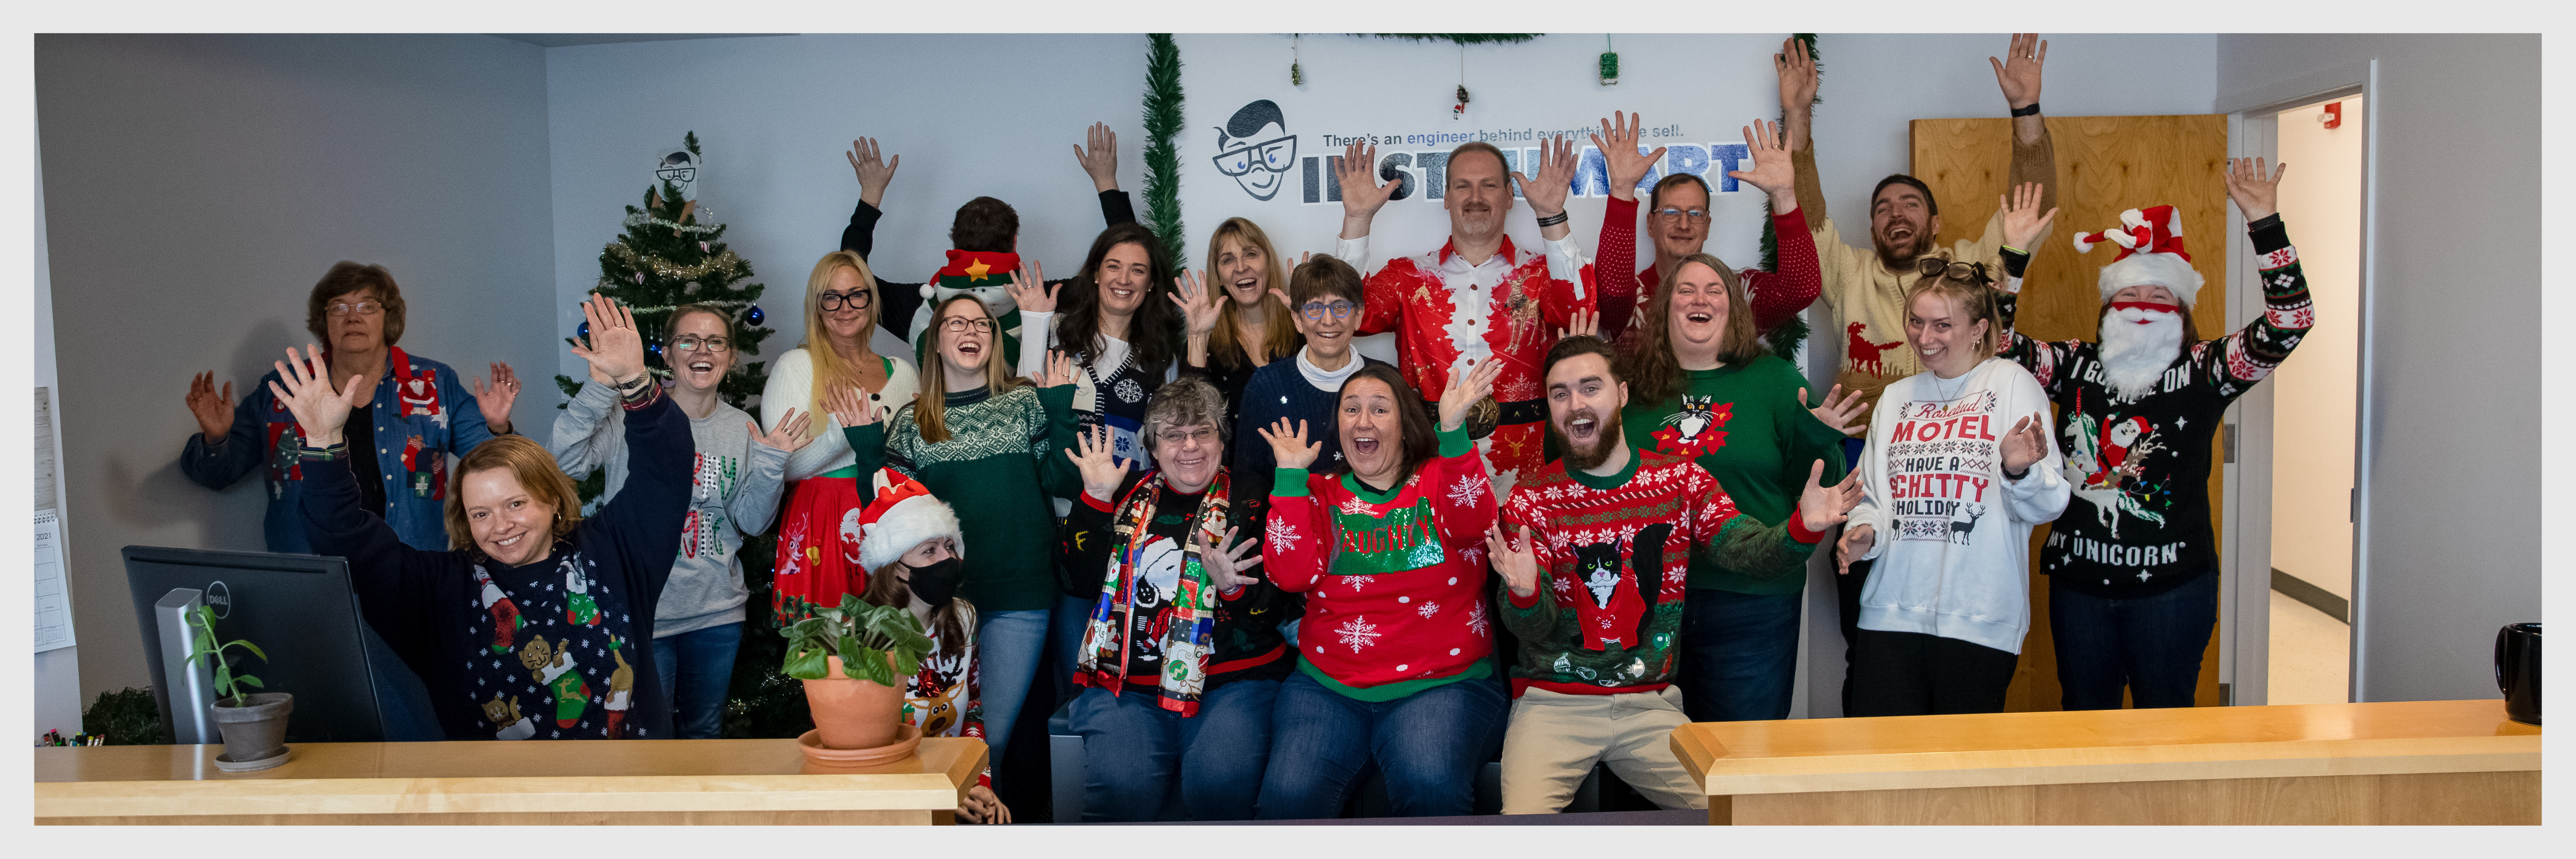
(637, 217)
(723, 263)
(1788, 336)
(1162, 158)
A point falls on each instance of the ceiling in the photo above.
(559, 40)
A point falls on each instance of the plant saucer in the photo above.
(226, 763)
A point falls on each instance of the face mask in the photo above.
(936, 584)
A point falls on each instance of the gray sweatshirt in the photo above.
(738, 482)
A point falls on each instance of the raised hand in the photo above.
(1101, 472)
(616, 348)
(1856, 542)
(1028, 287)
(1843, 415)
(2023, 221)
(1100, 160)
(214, 411)
(1582, 323)
(1771, 171)
(1797, 76)
(2025, 444)
(495, 400)
(2018, 71)
(1465, 391)
(306, 390)
(1823, 506)
(1289, 445)
(847, 406)
(1362, 196)
(2256, 198)
(1515, 561)
(1197, 312)
(1059, 369)
(1618, 145)
(1546, 194)
(1230, 569)
(874, 172)
(788, 436)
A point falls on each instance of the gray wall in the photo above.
(2449, 534)
(195, 188)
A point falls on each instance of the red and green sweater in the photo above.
(1744, 425)
(1394, 581)
(1612, 553)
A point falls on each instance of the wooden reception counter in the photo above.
(657, 782)
(2412, 762)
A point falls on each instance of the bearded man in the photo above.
(2133, 588)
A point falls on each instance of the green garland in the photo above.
(1791, 334)
(1463, 38)
(1162, 159)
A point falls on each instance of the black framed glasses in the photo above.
(1315, 310)
(958, 324)
(1670, 213)
(1274, 155)
(695, 343)
(1952, 270)
(831, 301)
(362, 308)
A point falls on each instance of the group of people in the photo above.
(1260, 566)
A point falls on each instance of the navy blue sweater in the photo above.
(555, 649)
(1278, 390)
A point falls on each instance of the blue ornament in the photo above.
(656, 349)
(754, 316)
(584, 331)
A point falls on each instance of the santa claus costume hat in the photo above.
(904, 515)
(2151, 254)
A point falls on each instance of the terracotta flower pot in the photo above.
(255, 729)
(850, 713)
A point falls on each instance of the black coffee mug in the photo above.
(2517, 668)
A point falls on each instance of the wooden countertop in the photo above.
(1907, 752)
(625, 777)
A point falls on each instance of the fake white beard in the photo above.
(2135, 355)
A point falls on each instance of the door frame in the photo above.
(2245, 540)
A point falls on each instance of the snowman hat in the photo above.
(2151, 254)
(904, 515)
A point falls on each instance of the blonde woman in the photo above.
(840, 316)
(1248, 327)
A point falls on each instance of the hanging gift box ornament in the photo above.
(1609, 68)
(1460, 111)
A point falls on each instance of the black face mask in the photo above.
(936, 584)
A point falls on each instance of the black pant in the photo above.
(1913, 674)
(2149, 646)
(1847, 596)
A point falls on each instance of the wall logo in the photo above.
(1256, 149)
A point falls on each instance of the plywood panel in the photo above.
(2105, 164)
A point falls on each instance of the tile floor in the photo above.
(2311, 655)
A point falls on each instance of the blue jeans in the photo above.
(1138, 759)
(1739, 655)
(1428, 744)
(697, 666)
(1008, 645)
(2151, 645)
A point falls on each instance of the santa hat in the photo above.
(2151, 254)
(904, 514)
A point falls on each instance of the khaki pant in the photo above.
(1554, 738)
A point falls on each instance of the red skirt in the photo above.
(818, 548)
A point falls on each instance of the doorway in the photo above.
(2316, 408)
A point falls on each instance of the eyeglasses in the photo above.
(694, 343)
(835, 300)
(1176, 437)
(1315, 310)
(1274, 155)
(1938, 267)
(363, 308)
(1671, 213)
(959, 324)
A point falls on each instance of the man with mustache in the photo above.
(1592, 567)
(2133, 588)
(1477, 298)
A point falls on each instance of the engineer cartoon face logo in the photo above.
(1256, 149)
(680, 168)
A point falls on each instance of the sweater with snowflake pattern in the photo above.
(1002, 460)
(1394, 581)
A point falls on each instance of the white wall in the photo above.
(2450, 546)
(970, 115)
(2316, 392)
(194, 189)
(56, 672)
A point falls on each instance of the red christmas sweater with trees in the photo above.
(1394, 581)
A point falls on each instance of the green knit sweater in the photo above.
(1744, 425)
(1001, 463)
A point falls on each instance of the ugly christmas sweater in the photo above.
(1157, 617)
(2141, 466)
(1744, 425)
(1394, 581)
(1775, 296)
(1612, 556)
(556, 649)
(1003, 459)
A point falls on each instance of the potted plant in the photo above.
(853, 660)
(253, 724)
